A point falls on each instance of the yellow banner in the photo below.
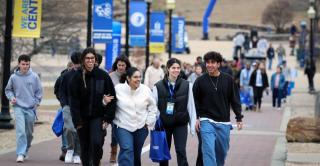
(157, 47)
(27, 18)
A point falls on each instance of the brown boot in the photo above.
(113, 156)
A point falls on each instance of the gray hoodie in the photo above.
(26, 88)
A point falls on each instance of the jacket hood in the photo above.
(17, 72)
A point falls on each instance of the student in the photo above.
(136, 111)
(277, 85)
(24, 91)
(175, 102)
(92, 104)
(214, 93)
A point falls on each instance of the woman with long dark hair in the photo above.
(92, 105)
(259, 82)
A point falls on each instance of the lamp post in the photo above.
(148, 33)
(89, 23)
(170, 7)
(127, 29)
(5, 117)
(312, 15)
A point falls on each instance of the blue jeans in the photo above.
(64, 142)
(114, 141)
(131, 144)
(215, 142)
(270, 64)
(25, 119)
(73, 142)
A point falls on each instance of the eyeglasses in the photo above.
(90, 58)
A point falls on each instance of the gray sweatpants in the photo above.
(70, 132)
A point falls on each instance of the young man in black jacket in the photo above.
(92, 102)
(214, 92)
(69, 131)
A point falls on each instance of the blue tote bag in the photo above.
(159, 150)
(57, 126)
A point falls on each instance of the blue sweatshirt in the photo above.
(26, 88)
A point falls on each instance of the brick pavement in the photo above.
(252, 146)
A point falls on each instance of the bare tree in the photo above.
(278, 13)
(61, 19)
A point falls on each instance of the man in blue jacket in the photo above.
(24, 91)
(277, 85)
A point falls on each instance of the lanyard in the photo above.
(171, 89)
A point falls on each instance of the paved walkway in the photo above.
(258, 144)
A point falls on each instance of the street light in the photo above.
(170, 7)
(312, 15)
(148, 33)
(89, 23)
(5, 117)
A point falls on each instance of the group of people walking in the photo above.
(92, 100)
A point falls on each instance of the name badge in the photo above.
(170, 107)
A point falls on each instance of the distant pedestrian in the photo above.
(281, 54)
(259, 82)
(214, 93)
(277, 86)
(310, 71)
(238, 42)
(244, 83)
(92, 104)
(136, 112)
(24, 91)
(119, 68)
(270, 56)
(175, 102)
(153, 73)
(225, 68)
(197, 73)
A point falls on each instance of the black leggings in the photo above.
(180, 135)
(257, 96)
(91, 136)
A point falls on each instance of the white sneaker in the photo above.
(279, 108)
(20, 159)
(26, 157)
(76, 160)
(69, 156)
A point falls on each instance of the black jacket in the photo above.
(86, 97)
(215, 103)
(180, 98)
(265, 82)
(57, 85)
(64, 91)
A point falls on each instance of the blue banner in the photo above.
(137, 25)
(178, 30)
(102, 21)
(205, 21)
(113, 50)
(157, 23)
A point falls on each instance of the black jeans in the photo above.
(310, 80)
(276, 97)
(257, 96)
(91, 137)
(180, 135)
